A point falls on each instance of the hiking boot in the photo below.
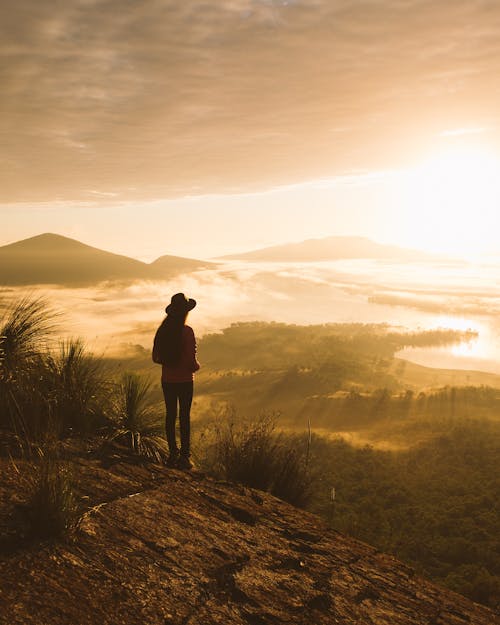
(185, 463)
(173, 460)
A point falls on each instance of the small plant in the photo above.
(25, 329)
(256, 455)
(51, 509)
(137, 421)
(292, 477)
(247, 453)
(76, 387)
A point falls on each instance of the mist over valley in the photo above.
(114, 301)
(321, 444)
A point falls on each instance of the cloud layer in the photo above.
(160, 97)
(111, 314)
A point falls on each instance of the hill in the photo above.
(165, 265)
(330, 248)
(54, 259)
(160, 546)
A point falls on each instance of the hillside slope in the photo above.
(54, 259)
(161, 546)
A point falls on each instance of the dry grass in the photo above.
(51, 509)
(255, 454)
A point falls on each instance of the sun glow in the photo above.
(454, 201)
(472, 348)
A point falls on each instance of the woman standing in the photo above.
(174, 348)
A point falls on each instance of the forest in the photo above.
(414, 467)
(435, 506)
(298, 411)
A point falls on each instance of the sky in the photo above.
(203, 128)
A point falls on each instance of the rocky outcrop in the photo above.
(160, 546)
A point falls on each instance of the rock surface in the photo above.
(161, 546)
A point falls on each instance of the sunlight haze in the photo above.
(271, 225)
(208, 130)
(447, 203)
(111, 118)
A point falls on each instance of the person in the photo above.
(174, 347)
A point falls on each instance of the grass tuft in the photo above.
(76, 387)
(24, 332)
(51, 510)
(137, 419)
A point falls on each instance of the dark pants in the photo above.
(178, 394)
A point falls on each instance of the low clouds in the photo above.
(114, 317)
(160, 97)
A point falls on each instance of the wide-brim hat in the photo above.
(180, 304)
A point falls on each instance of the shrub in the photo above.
(256, 455)
(51, 509)
(137, 422)
(246, 452)
(25, 329)
(76, 387)
(292, 475)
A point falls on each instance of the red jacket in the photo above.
(182, 372)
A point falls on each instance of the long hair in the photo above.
(172, 338)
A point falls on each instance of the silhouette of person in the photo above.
(174, 347)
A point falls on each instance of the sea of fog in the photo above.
(116, 317)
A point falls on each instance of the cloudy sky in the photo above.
(120, 116)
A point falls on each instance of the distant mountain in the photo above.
(330, 248)
(54, 259)
(165, 264)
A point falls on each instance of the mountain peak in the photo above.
(45, 241)
(50, 236)
(50, 258)
(329, 248)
